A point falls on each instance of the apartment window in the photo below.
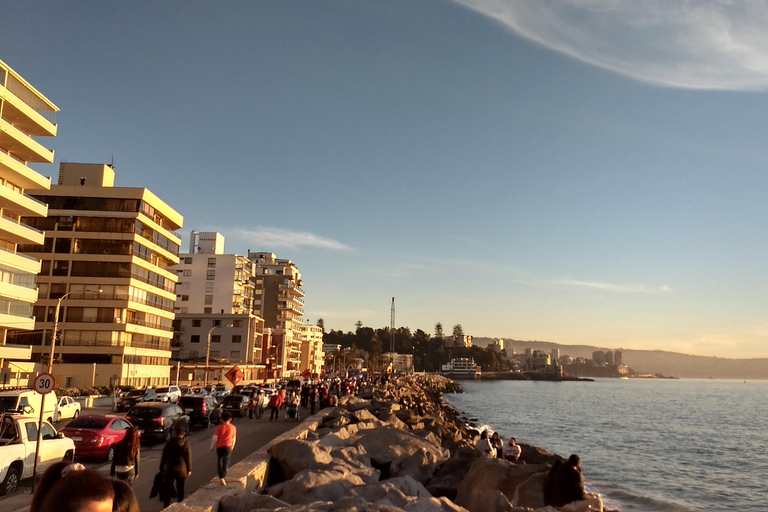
(237, 338)
(209, 287)
(237, 323)
(62, 245)
(235, 354)
(208, 300)
(61, 268)
(214, 353)
(45, 268)
(216, 323)
(184, 298)
(216, 338)
(211, 262)
(184, 311)
(187, 273)
(211, 275)
(195, 338)
(207, 311)
(187, 261)
(196, 323)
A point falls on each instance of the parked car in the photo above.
(18, 440)
(235, 404)
(170, 394)
(157, 420)
(202, 410)
(137, 396)
(27, 402)
(66, 408)
(220, 392)
(96, 435)
(186, 390)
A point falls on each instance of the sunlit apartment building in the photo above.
(215, 291)
(279, 300)
(105, 262)
(312, 355)
(24, 114)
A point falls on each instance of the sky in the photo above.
(576, 171)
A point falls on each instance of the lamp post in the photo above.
(208, 350)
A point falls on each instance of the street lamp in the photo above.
(208, 350)
(56, 328)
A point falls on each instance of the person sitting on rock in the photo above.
(497, 444)
(512, 451)
(565, 489)
(484, 446)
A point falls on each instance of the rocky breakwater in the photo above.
(395, 447)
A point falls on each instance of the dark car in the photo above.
(236, 404)
(156, 420)
(202, 410)
(137, 396)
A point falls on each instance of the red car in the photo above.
(96, 436)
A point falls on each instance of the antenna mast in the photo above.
(392, 329)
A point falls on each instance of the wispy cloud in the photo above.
(267, 238)
(611, 287)
(706, 44)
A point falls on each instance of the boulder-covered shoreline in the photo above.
(396, 447)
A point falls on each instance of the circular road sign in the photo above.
(44, 383)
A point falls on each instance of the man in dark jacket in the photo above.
(565, 488)
(176, 464)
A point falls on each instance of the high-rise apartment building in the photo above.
(214, 300)
(312, 354)
(105, 264)
(279, 300)
(24, 114)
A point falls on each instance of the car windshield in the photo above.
(162, 390)
(89, 423)
(8, 403)
(144, 412)
(233, 398)
(190, 401)
(136, 392)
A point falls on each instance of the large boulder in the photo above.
(420, 465)
(433, 505)
(386, 444)
(392, 420)
(534, 455)
(362, 415)
(492, 485)
(325, 485)
(448, 478)
(247, 501)
(295, 455)
(353, 403)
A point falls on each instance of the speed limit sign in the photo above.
(44, 383)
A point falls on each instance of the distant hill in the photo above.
(656, 361)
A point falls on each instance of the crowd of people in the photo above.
(494, 447)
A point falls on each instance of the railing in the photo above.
(151, 325)
(30, 98)
(157, 344)
(14, 308)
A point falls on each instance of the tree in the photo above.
(321, 324)
(458, 332)
(358, 325)
(438, 331)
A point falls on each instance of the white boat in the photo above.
(462, 368)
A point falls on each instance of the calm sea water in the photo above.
(646, 445)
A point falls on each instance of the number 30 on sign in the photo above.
(44, 383)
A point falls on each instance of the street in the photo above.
(251, 435)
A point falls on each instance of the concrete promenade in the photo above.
(253, 437)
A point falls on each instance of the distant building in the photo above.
(609, 357)
(618, 358)
(555, 354)
(24, 113)
(538, 360)
(312, 353)
(598, 357)
(403, 363)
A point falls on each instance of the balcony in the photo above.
(292, 289)
(25, 110)
(22, 146)
(21, 204)
(23, 176)
(18, 233)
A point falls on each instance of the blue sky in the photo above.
(579, 172)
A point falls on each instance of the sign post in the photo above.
(44, 384)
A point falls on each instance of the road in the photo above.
(251, 435)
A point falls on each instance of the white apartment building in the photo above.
(312, 354)
(24, 114)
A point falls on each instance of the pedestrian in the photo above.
(176, 464)
(125, 461)
(224, 441)
(125, 499)
(275, 401)
(312, 399)
(251, 407)
(68, 487)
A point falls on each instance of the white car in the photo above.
(220, 392)
(170, 394)
(67, 408)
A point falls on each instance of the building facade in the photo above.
(312, 353)
(105, 266)
(279, 300)
(24, 115)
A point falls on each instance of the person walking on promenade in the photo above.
(125, 461)
(564, 488)
(224, 441)
(176, 464)
(512, 451)
(275, 401)
(312, 398)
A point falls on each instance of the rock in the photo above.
(392, 420)
(420, 465)
(429, 436)
(433, 505)
(353, 403)
(318, 485)
(335, 418)
(448, 478)
(295, 455)
(492, 485)
(533, 455)
(363, 415)
(386, 444)
(247, 501)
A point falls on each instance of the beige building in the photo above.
(312, 354)
(402, 363)
(279, 300)
(105, 262)
(24, 114)
(214, 291)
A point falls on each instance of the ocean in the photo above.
(646, 444)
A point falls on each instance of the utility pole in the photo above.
(392, 334)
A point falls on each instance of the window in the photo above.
(237, 338)
(235, 354)
(196, 323)
(237, 323)
(216, 338)
(195, 338)
(208, 300)
(211, 262)
(207, 311)
(216, 323)
(61, 268)
(187, 261)
(187, 273)
(209, 287)
(48, 432)
(62, 245)
(214, 353)
(211, 275)
(184, 298)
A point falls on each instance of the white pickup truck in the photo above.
(18, 440)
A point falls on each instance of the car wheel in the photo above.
(77, 413)
(111, 453)
(11, 482)
(69, 456)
